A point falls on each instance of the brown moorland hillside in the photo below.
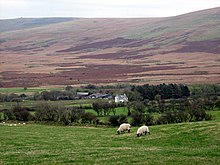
(75, 51)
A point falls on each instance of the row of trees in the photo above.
(138, 118)
(55, 95)
(50, 112)
(161, 105)
(16, 113)
(11, 97)
(134, 93)
(45, 95)
(207, 90)
(54, 112)
(166, 91)
(171, 111)
(105, 108)
(172, 101)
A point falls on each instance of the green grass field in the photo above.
(32, 103)
(185, 143)
(27, 91)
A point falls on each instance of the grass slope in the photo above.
(26, 23)
(200, 25)
(187, 143)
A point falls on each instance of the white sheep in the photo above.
(124, 127)
(143, 130)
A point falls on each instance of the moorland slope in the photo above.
(68, 51)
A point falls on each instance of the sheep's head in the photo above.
(138, 135)
(129, 131)
(118, 132)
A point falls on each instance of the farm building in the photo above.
(100, 96)
(121, 98)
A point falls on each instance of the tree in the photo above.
(113, 120)
(8, 114)
(21, 113)
(90, 86)
(152, 106)
(138, 107)
(45, 95)
(162, 106)
(129, 106)
(97, 108)
(17, 113)
(68, 88)
(133, 95)
(17, 100)
(217, 103)
(157, 98)
(48, 111)
(122, 119)
(112, 108)
(149, 119)
(89, 117)
(106, 108)
(137, 118)
(185, 90)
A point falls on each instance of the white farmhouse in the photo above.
(121, 98)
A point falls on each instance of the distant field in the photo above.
(186, 143)
(26, 91)
(32, 103)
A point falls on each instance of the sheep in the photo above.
(143, 130)
(3, 123)
(124, 127)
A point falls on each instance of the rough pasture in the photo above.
(181, 49)
(187, 143)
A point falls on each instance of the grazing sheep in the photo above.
(142, 130)
(124, 127)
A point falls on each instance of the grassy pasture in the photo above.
(185, 143)
(27, 91)
(32, 103)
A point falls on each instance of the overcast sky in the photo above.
(101, 8)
